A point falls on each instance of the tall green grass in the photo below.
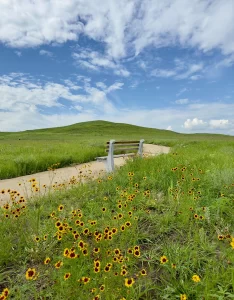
(182, 221)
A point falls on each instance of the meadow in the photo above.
(157, 228)
(28, 152)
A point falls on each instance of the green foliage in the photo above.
(182, 212)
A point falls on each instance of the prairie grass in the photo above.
(28, 152)
(177, 241)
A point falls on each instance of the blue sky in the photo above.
(162, 64)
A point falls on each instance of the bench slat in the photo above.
(117, 155)
(124, 142)
(124, 149)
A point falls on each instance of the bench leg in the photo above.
(110, 157)
(140, 150)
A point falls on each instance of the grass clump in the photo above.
(158, 228)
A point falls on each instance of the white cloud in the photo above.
(195, 77)
(18, 53)
(24, 102)
(195, 124)
(163, 73)
(96, 61)
(115, 86)
(124, 26)
(194, 68)
(182, 101)
(169, 127)
(46, 53)
(183, 90)
(101, 85)
(19, 93)
(180, 71)
(219, 124)
(134, 84)
(142, 64)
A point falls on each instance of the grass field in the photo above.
(158, 228)
(29, 152)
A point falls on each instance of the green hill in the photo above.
(108, 130)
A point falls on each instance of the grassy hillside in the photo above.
(33, 151)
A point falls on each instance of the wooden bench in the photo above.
(123, 146)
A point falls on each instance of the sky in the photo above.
(161, 64)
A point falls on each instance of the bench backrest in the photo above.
(125, 146)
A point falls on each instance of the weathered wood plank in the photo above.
(124, 149)
(125, 142)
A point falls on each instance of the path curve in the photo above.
(48, 180)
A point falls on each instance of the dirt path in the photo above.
(52, 180)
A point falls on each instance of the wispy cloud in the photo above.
(180, 71)
(183, 90)
(96, 61)
(182, 101)
(46, 53)
(18, 53)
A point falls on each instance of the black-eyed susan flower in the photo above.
(86, 231)
(137, 253)
(97, 263)
(183, 297)
(85, 280)
(114, 230)
(72, 254)
(5, 292)
(59, 237)
(220, 237)
(57, 224)
(30, 274)
(122, 228)
(196, 278)
(107, 268)
(66, 252)
(102, 288)
(58, 264)
(129, 282)
(96, 270)
(130, 251)
(163, 259)
(37, 239)
(117, 251)
(143, 272)
(96, 250)
(81, 244)
(60, 208)
(66, 276)
(47, 261)
(85, 252)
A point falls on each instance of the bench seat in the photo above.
(115, 156)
